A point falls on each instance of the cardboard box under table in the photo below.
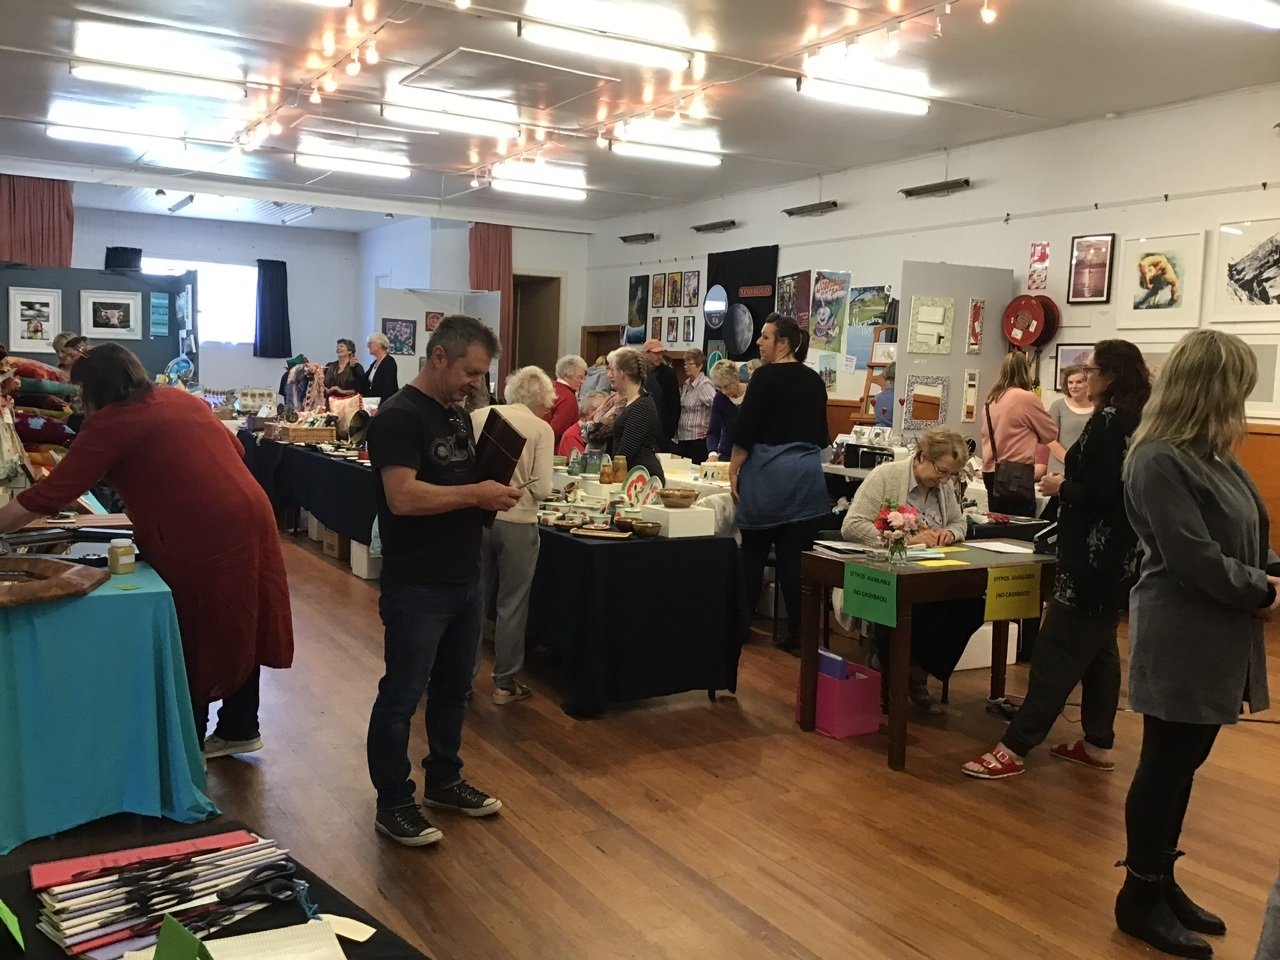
(963, 575)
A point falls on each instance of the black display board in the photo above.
(747, 277)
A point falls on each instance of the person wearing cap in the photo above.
(661, 385)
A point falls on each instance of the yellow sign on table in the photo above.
(941, 563)
(1013, 593)
(952, 549)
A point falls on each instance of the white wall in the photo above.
(450, 255)
(397, 254)
(323, 275)
(1210, 157)
(546, 253)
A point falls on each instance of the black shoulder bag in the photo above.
(1012, 481)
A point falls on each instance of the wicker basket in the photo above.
(296, 433)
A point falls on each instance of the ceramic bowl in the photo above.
(677, 497)
(559, 461)
(646, 528)
(547, 517)
(623, 523)
(567, 523)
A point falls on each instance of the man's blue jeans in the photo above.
(430, 647)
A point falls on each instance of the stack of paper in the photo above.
(101, 907)
(305, 941)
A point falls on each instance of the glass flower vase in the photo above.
(897, 552)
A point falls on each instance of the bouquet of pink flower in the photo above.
(897, 523)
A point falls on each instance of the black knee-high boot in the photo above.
(1141, 912)
(1189, 913)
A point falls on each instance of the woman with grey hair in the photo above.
(509, 549)
(571, 371)
(730, 392)
(381, 379)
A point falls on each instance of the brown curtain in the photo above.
(491, 270)
(36, 221)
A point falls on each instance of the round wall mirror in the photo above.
(715, 307)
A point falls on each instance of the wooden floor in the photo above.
(678, 829)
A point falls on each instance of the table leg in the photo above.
(811, 598)
(999, 657)
(899, 681)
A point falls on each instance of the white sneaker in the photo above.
(217, 747)
(503, 696)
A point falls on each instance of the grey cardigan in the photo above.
(889, 481)
(1195, 647)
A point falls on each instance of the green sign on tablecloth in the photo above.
(871, 594)
(11, 924)
(176, 942)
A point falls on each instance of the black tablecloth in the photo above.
(639, 618)
(336, 492)
(15, 890)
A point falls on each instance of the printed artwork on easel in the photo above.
(970, 412)
(977, 314)
(931, 321)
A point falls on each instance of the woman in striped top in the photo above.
(637, 432)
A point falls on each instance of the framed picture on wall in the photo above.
(35, 318)
(111, 314)
(927, 398)
(658, 295)
(1091, 259)
(403, 335)
(1161, 282)
(692, 288)
(675, 294)
(655, 329)
(673, 329)
(688, 329)
(1068, 355)
(432, 320)
(1245, 279)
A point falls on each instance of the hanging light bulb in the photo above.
(988, 12)
(353, 25)
(895, 6)
(371, 53)
(698, 109)
(369, 11)
(601, 142)
(276, 128)
(539, 134)
(698, 63)
(353, 66)
(315, 95)
(328, 44)
(329, 83)
(475, 183)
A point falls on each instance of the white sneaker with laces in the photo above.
(215, 746)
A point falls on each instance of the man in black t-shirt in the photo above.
(431, 506)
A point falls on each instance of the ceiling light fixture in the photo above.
(1261, 13)
(183, 203)
(550, 174)
(698, 109)
(543, 190)
(462, 4)
(329, 83)
(106, 138)
(453, 123)
(865, 98)
(371, 53)
(353, 25)
(942, 187)
(715, 226)
(159, 81)
(988, 12)
(475, 183)
(328, 43)
(821, 208)
(648, 151)
(599, 45)
(639, 238)
(602, 142)
(369, 11)
(295, 217)
(353, 66)
(315, 95)
(365, 168)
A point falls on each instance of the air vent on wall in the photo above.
(717, 226)
(812, 209)
(934, 189)
(639, 238)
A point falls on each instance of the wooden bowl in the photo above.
(623, 523)
(646, 528)
(677, 497)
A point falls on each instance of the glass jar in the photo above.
(121, 556)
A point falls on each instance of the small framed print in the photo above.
(692, 288)
(655, 329)
(658, 295)
(1091, 260)
(673, 329)
(35, 318)
(688, 329)
(1068, 355)
(111, 314)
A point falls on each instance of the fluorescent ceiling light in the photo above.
(842, 63)
(134, 128)
(349, 150)
(548, 174)
(544, 190)
(163, 82)
(669, 134)
(106, 138)
(864, 97)
(659, 22)
(602, 47)
(1262, 13)
(364, 168)
(647, 151)
(295, 217)
(435, 120)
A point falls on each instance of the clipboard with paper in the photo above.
(498, 450)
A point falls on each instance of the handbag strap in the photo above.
(991, 428)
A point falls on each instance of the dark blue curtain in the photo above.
(271, 335)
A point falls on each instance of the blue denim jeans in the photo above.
(430, 647)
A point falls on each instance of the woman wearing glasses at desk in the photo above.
(1097, 564)
(939, 631)
(199, 518)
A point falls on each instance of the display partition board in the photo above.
(155, 352)
(426, 308)
(961, 284)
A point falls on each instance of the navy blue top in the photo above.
(724, 413)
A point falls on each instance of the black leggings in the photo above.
(1161, 789)
(238, 715)
(788, 541)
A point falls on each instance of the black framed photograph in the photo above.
(1068, 355)
(688, 329)
(673, 329)
(1091, 261)
(402, 335)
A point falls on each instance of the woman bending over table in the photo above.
(940, 630)
(200, 519)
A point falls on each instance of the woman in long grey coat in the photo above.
(1208, 582)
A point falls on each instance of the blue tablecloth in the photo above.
(95, 715)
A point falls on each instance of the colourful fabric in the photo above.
(39, 427)
(200, 518)
(111, 663)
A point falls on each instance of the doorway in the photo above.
(598, 341)
(536, 319)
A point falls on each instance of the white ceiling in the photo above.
(1042, 64)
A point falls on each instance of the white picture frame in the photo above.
(1160, 282)
(932, 319)
(1245, 291)
(35, 318)
(111, 315)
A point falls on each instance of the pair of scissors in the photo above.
(270, 883)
